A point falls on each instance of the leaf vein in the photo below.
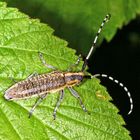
(10, 124)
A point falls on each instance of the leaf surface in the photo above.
(21, 38)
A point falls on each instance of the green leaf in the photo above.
(78, 21)
(20, 40)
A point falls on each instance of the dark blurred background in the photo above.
(121, 59)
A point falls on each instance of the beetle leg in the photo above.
(13, 80)
(58, 103)
(44, 62)
(75, 64)
(36, 104)
(75, 94)
(32, 75)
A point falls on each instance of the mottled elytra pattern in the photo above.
(56, 81)
(42, 84)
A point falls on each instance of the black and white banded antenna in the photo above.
(106, 19)
(121, 85)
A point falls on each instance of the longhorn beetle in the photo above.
(57, 81)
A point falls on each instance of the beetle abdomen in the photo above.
(42, 84)
(36, 85)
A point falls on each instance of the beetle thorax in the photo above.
(73, 78)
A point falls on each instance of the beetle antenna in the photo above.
(121, 85)
(106, 19)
